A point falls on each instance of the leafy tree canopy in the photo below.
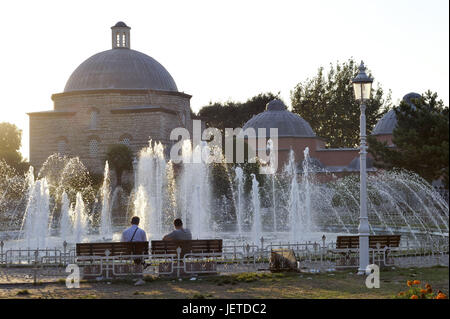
(10, 142)
(421, 138)
(234, 114)
(327, 102)
(120, 159)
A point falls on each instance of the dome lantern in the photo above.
(120, 36)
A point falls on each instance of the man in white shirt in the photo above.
(134, 233)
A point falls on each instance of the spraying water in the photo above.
(80, 219)
(65, 221)
(257, 225)
(105, 218)
(195, 189)
(35, 227)
(239, 180)
(294, 204)
(306, 187)
(151, 182)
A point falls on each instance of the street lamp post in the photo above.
(362, 85)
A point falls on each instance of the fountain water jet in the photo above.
(35, 226)
(195, 189)
(239, 180)
(80, 219)
(294, 205)
(151, 181)
(256, 206)
(307, 215)
(105, 218)
(65, 224)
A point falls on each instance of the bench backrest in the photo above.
(383, 240)
(115, 248)
(196, 246)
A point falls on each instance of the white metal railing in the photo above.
(311, 256)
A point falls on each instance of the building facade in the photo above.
(116, 96)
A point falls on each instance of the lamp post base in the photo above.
(363, 248)
(362, 272)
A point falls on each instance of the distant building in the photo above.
(116, 96)
(295, 133)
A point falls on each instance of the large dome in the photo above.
(120, 68)
(388, 122)
(276, 115)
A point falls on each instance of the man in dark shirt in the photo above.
(179, 233)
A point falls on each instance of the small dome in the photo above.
(410, 96)
(386, 125)
(275, 105)
(121, 24)
(120, 69)
(388, 122)
(276, 115)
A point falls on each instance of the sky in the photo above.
(223, 50)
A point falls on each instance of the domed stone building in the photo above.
(115, 96)
(295, 133)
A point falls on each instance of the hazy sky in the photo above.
(224, 50)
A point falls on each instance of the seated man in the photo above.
(179, 233)
(134, 233)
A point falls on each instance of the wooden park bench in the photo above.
(208, 248)
(92, 267)
(351, 243)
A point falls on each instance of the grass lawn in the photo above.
(340, 284)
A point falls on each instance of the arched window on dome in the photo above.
(93, 119)
(93, 147)
(118, 40)
(124, 40)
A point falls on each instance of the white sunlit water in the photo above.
(290, 206)
(66, 218)
(80, 220)
(35, 226)
(239, 181)
(106, 230)
(256, 209)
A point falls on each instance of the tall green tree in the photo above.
(234, 114)
(120, 159)
(421, 139)
(10, 142)
(327, 102)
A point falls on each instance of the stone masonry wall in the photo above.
(46, 130)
